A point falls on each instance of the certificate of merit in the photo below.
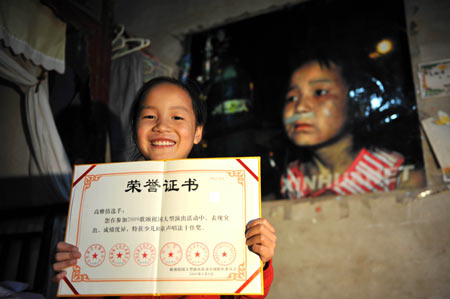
(164, 227)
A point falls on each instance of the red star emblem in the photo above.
(119, 255)
(197, 254)
(144, 255)
(224, 254)
(170, 254)
(94, 255)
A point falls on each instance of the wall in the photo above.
(391, 245)
(429, 39)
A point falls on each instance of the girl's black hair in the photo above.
(350, 67)
(191, 88)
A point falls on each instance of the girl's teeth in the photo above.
(163, 143)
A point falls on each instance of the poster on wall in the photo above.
(437, 129)
(435, 79)
(350, 113)
(332, 100)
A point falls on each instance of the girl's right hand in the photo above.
(66, 256)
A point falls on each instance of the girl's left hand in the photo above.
(261, 238)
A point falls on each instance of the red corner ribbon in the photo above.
(248, 281)
(259, 270)
(82, 176)
(248, 169)
(71, 286)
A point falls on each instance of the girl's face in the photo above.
(166, 125)
(316, 104)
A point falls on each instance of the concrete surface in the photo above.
(394, 245)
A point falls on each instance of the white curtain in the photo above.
(41, 45)
(48, 156)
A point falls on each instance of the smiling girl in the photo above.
(167, 120)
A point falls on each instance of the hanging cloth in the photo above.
(31, 29)
(126, 78)
(48, 157)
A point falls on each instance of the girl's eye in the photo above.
(178, 118)
(149, 116)
(292, 99)
(320, 92)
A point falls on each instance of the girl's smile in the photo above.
(163, 142)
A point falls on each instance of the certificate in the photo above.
(164, 227)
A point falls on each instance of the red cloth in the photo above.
(372, 170)
(267, 275)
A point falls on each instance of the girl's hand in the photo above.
(66, 256)
(261, 238)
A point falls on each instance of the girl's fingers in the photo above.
(63, 246)
(261, 222)
(261, 238)
(265, 253)
(264, 240)
(59, 266)
(262, 232)
(67, 255)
